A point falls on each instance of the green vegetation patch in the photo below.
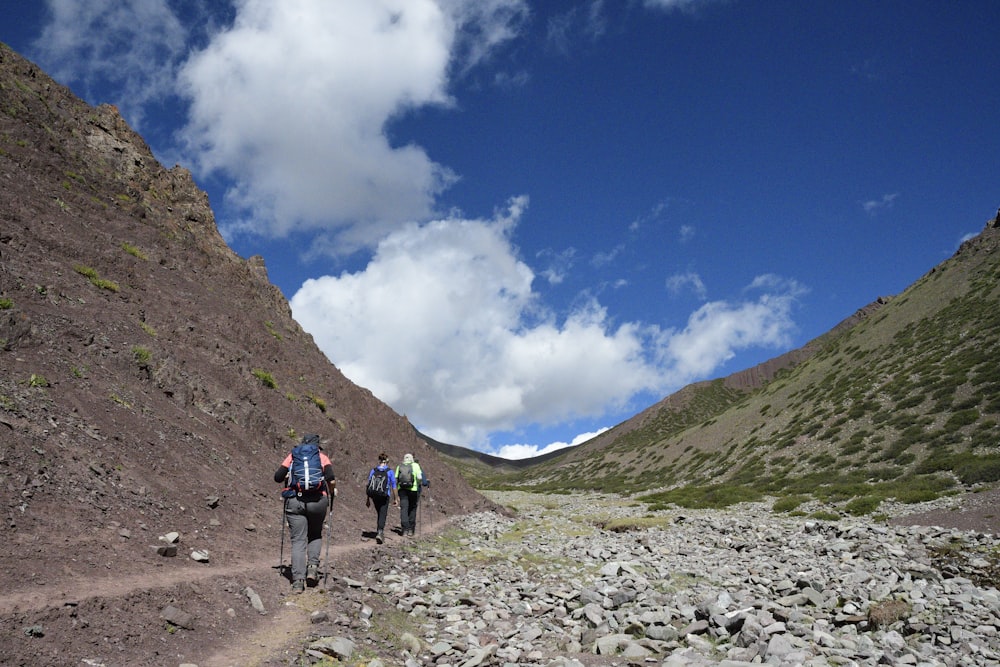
(141, 354)
(789, 503)
(265, 378)
(95, 279)
(714, 496)
(134, 251)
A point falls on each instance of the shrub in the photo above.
(913, 496)
(886, 612)
(134, 251)
(96, 280)
(265, 378)
(270, 329)
(862, 505)
(962, 418)
(715, 496)
(788, 503)
(910, 402)
(85, 271)
(979, 469)
(6, 304)
(141, 354)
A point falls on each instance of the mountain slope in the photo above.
(151, 380)
(902, 399)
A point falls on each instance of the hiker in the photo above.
(307, 474)
(408, 481)
(381, 488)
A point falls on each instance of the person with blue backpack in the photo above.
(380, 489)
(309, 483)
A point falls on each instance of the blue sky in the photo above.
(520, 223)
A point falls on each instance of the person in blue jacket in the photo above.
(381, 488)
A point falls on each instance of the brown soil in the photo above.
(111, 619)
(978, 512)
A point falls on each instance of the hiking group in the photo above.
(309, 491)
(402, 487)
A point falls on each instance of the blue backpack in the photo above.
(306, 472)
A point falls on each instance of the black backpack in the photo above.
(405, 480)
(378, 483)
(306, 473)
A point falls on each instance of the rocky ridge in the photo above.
(591, 580)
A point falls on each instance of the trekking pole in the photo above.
(281, 526)
(329, 530)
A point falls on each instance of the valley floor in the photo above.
(560, 581)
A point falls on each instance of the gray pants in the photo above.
(305, 526)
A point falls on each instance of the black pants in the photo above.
(408, 501)
(381, 510)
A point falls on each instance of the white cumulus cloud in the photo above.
(522, 451)
(444, 325)
(293, 102)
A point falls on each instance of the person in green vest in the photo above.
(409, 478)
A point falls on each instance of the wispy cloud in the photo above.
(875, 205)
(587, 22)
(654, 214)
(559, 264)
(870, 70)
(687, 281)
(687, 6)
(606, 257)
(125, 52)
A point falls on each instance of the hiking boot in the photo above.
(298, 586)
(312, 573)
(379, 537)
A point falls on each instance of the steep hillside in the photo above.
(150, 379)
(900, 400)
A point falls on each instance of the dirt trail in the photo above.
(251, 639)
(289, 624)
